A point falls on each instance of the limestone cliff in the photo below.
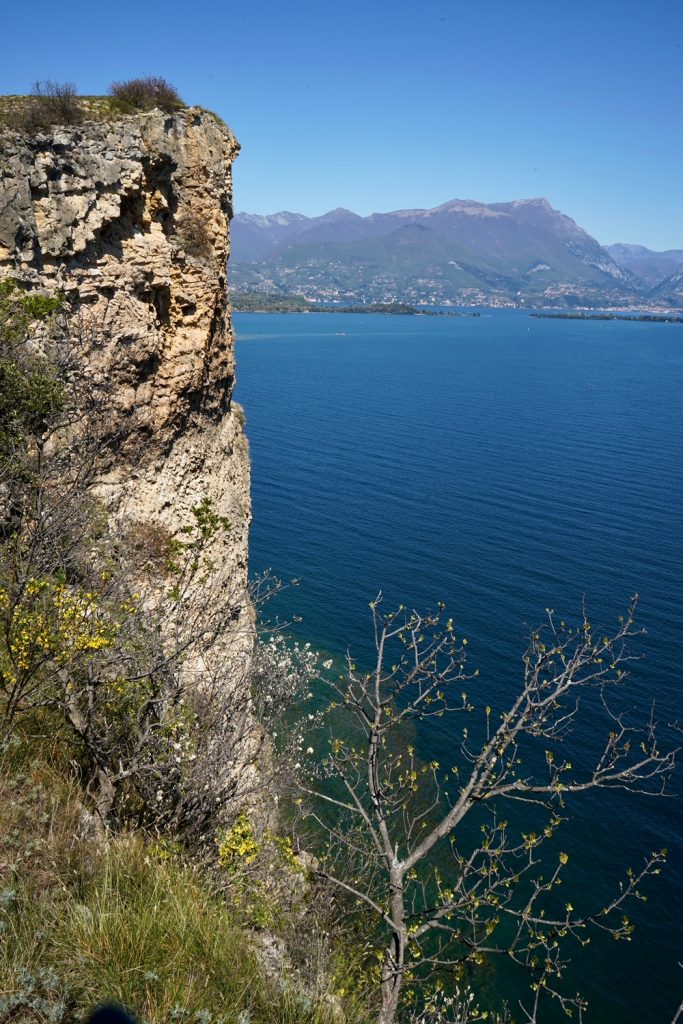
(129, 219)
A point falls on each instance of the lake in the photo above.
(502, 464)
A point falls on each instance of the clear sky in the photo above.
(382, 104)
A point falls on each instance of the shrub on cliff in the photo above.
(30, 394)
(195, 236)
(50, 103)
(146, 93)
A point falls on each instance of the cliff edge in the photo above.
(128, 219)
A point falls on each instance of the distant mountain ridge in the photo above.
(462, 252)
(651, 268)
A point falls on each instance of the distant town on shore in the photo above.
(464, 253)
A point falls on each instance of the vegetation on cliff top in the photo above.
(51, 104)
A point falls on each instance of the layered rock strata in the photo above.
(128, 218)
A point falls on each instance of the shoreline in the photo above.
(653, 318)
(252, 302)
(649, 318)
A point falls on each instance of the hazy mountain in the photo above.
(259, 235)
(461, 252)
(670, 291)
(651, 268)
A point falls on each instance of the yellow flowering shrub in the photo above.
(52, 620)
(238, 843)
(264, 874)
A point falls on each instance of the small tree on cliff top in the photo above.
(387, 815)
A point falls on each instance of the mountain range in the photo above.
(461, 253)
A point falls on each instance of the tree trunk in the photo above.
(392, 968)
(105, 797)
(391, 990)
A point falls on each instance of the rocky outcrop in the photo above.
(129, 219)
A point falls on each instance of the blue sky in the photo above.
(378, 105)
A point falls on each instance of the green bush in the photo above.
(31, 396)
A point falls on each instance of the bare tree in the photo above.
(428, 849)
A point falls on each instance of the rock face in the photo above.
(129, 219)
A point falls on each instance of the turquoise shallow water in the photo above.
(502, 464)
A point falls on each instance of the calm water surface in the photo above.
(503, 464)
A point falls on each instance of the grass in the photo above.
(93, 108)
(88, 919)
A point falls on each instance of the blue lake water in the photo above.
(502, 464)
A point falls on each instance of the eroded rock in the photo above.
(129, 219)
